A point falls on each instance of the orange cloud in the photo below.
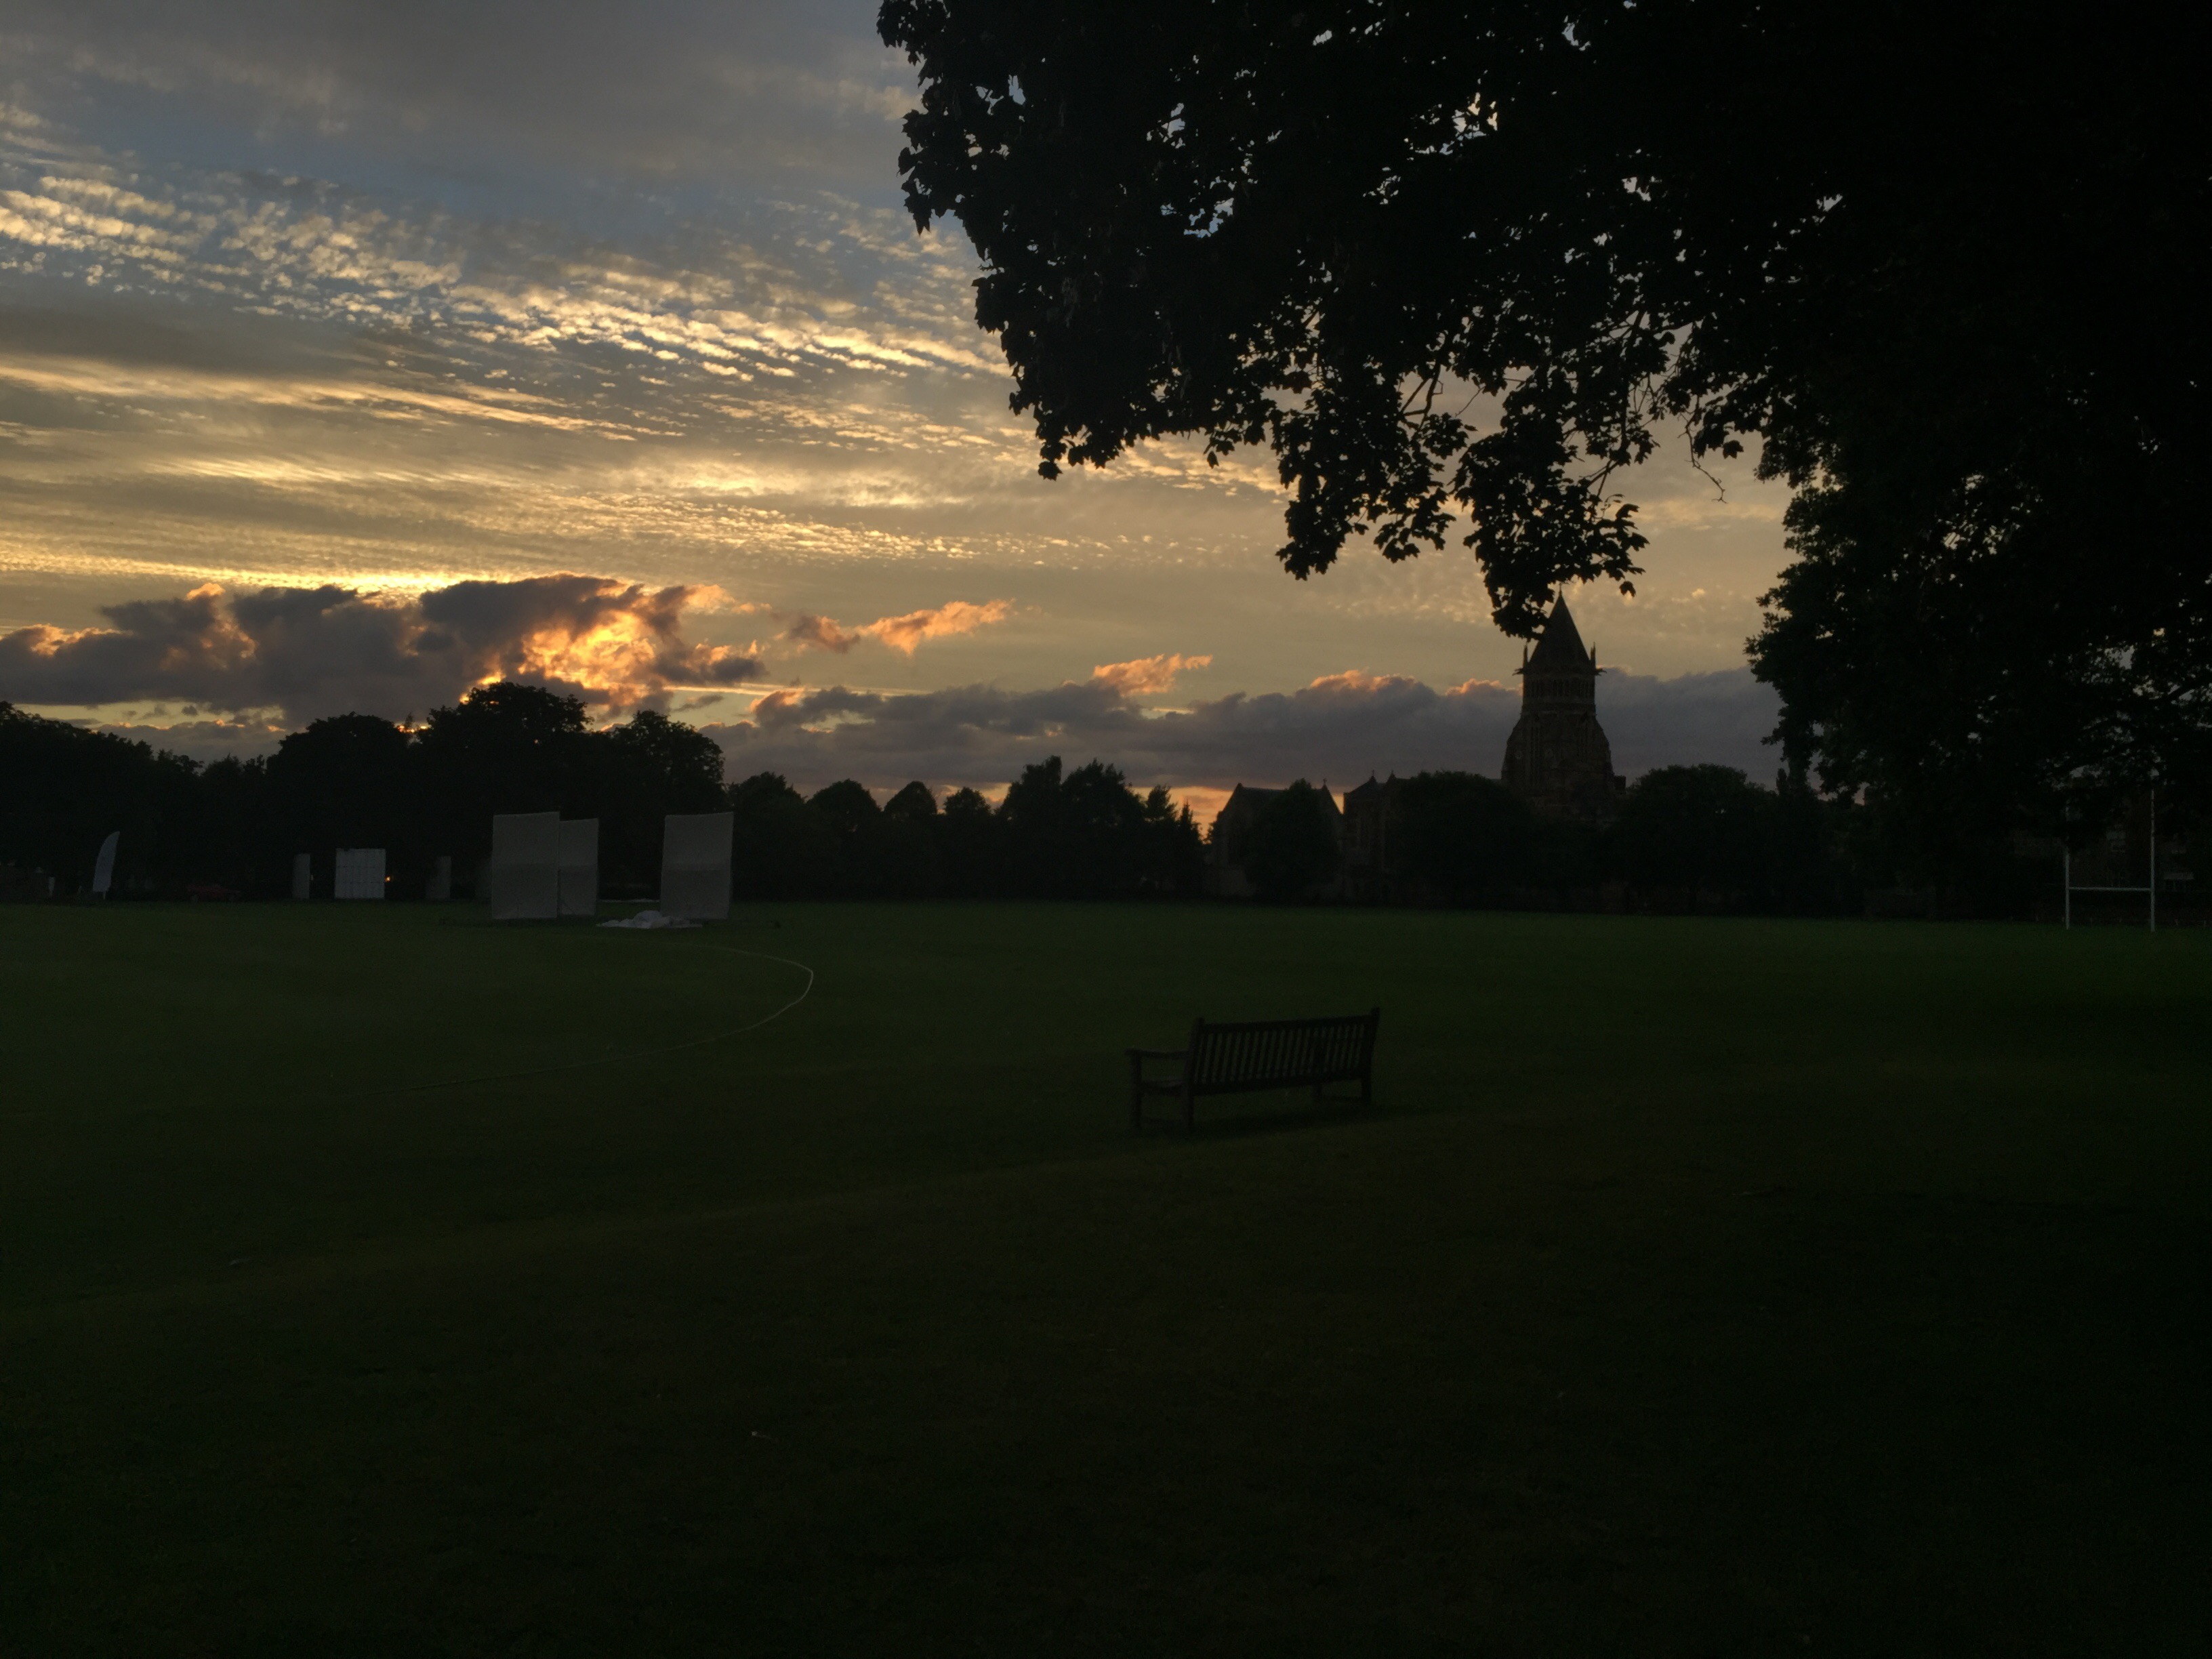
(1357, 682)
(1141, 675)
(905, 633)
(628, 652)
(902, 634)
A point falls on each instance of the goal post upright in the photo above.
(2066, 875)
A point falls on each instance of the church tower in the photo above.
(1558, 759)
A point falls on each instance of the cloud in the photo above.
(1142, 676)
(311, 652)
(1722, 717)
(311, 292)
(904, 633)
(1340, 727)
(776, 289)
(659, 89)
(202, 740)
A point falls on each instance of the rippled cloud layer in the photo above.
(373, 304)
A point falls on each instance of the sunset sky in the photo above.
(401, 310)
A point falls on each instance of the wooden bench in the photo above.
(1256, 1054)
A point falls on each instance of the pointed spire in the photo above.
(1560, 646)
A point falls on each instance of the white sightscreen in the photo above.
(359, 873)
(523, 875)
(694, 865)
(580, 866)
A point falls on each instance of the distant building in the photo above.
(1558, 759)
(1369, 858)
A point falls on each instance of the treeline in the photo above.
(234, 826)
(1686, 838)
(1079, 834)
(1701, 838)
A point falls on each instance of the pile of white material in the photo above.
(650, 919)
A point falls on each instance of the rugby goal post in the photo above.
(2066, 869)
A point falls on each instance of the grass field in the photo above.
(1692, 1288)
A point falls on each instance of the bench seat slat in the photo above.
(1243, 1056)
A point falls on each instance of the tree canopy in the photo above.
(1702, 829)
(1291, 847)
(1460, 264)
(1462, 834)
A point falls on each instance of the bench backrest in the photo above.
(1258, 1053)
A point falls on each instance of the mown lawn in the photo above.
(1692, 1288)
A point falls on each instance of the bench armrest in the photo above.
(1156, 1054)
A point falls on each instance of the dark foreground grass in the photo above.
(1692, 1288)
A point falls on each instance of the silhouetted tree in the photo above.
(347, 781)
(629, 777)
(63, 789)
(1466, 258)
(854, 825)
(1082, 834)
(1291, 847)
(781, 846)
(504, 747)
(1034, 830)
(1105, 823)
(1704, 830)
(913, 862)
(1174, 860)
(1461, 835)
(915, 804)
(968, 835)
(237, 839)
(1807, 833)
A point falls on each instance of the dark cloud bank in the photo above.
(302, 653)
(1340, 729)
(306, 652)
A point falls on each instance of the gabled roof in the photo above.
(1560, 649)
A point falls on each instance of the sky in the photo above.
(352, 354)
